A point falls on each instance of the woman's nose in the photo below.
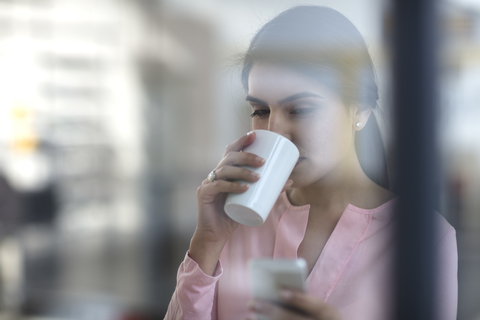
(277, 124)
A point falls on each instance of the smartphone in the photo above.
(269, 276)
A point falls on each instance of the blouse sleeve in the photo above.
(195, 295)
(447, 284)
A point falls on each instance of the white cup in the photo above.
(252, 207)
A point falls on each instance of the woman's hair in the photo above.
(323, 44)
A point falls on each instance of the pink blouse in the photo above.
(353, 272)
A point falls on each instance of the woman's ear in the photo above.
(362, 114)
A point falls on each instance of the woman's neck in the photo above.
(346, 184)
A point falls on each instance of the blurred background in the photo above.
(112, 112)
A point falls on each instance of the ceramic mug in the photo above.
(252, 207)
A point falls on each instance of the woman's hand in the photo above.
(214, 227)
(309, 308)
(212, 222)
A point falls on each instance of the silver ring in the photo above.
(211, 176)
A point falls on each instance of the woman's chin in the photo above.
(298, 181)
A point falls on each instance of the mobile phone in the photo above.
(269, 276)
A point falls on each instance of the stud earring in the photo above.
(359, 124)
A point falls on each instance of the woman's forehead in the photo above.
(276, 81)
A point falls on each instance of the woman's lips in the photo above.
(299, 160)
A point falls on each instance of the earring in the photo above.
(359, 124)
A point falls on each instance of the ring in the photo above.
(211, 176)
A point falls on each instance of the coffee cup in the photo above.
(252, 207)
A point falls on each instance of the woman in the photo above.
(308, 77)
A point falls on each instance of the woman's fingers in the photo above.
(241, 143)
(236, 158)
(276, 312)
(310, 305)
(300, 306)
(236, 173)
(209, 190)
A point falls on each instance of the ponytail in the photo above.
(371, 152)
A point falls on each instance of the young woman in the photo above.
(308, 77)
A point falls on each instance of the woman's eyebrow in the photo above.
(293, 97)
(300, 95)
(253, 99)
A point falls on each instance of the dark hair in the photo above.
(324, 45)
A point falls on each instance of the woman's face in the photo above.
(311, 116)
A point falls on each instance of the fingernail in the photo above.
(249, 133)
(255, 175)
(290, 181)
(259, 160)
(286, 295)
(244, 185)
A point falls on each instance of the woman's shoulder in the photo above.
(385, 199)
(373, 197)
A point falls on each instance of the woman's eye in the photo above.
(302, 111)
(259, 113)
